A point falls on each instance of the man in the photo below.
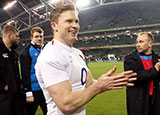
(10, 84)
(143, 97)
(62, 72)
(28, 58)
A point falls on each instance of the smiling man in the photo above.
(143, 98)
(62, 72)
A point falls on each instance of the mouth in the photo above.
(138, 48)
(73, 32)
(39, 43)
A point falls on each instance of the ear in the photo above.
(150, 43)
(8, 36)
(54, 26)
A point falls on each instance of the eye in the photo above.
(77, 21)
(69, 21)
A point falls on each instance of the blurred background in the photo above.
(108, 27)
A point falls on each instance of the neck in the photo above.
(68, 43)
(148, 52)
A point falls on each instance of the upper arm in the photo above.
(25, 61)
(59, 92)
(2, 74)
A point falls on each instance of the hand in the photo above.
(29, 99)
(130, 75)
(110, 80)
(157, 65)
(6, 88)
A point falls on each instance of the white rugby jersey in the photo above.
(57, 63)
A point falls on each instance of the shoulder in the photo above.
(131, 56)
(25, 50)
(51, 52)
(155, 54)
(75, 50)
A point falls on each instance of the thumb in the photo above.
(112, 71)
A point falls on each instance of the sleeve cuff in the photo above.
(28, 94)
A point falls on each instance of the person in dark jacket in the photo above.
(11, 98)
(28, 58)
(144, 97)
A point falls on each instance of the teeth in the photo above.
(73, 32)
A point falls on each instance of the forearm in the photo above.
(69, 101)
(142, 75)
(73, 100)
(147, 75)
(80, 98)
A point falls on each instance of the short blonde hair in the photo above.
(9, 29)
(59, 10)
(150, 36)
(36, 29)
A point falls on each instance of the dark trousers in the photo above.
(39, 100)
(151, 105)
(11, 104)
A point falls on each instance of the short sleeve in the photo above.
(52, 73)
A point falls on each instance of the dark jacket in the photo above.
(28, 58)
(138, 95)
(10, 101)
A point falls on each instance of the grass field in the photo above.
(109, 103)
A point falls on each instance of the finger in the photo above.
(119, 76)
(131, 75)
(121, 80)
(130, 84)
(128, 72)
(132, 79)
(120, 84)
(118, 87)
(111, 72)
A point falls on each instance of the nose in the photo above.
(18, 38)
(39, 38)
(137, 44)
(75, 25)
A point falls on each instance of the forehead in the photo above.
(142, 37)
(14, 33)
(68, 14)
(37, 33)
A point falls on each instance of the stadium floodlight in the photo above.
(53, 1)
(82, 3)
(10, 5)
(10, 22)
(39, 7)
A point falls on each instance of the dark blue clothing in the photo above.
(28, 58)
(34, 53)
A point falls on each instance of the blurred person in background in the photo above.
(62, 71)
(28, 58)
(11, 97)
(144, 97)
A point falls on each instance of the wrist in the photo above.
(29, 94)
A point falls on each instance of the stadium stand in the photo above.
(108, 27)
